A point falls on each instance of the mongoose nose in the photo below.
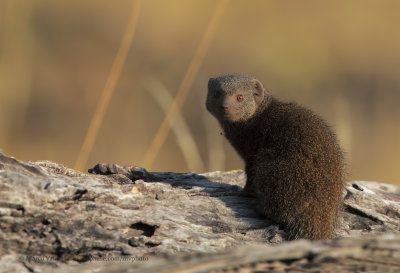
(224, 108)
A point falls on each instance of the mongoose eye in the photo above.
(239, 98)
(217, 95)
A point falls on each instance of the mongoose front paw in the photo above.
(248, 192)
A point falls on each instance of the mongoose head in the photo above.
(235, 97)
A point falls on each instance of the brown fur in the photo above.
(294, 165)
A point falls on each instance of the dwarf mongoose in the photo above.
(293, 163)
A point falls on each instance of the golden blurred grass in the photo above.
(180, 127)
(187, 82)
(109, 88)
(341, 59)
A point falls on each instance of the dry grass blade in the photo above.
(215, 142)
(109, 87)
(3, 8)
(194, 66)
(180, 128)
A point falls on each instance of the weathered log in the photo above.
(52, 217)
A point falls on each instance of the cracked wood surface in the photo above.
(55, 218)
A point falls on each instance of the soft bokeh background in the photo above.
(339, 58)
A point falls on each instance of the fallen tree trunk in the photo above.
(52, 217)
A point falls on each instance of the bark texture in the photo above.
(56, 219)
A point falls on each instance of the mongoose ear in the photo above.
(258, 91)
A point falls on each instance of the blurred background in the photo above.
(339, 58)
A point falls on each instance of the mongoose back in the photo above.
(293, 163)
